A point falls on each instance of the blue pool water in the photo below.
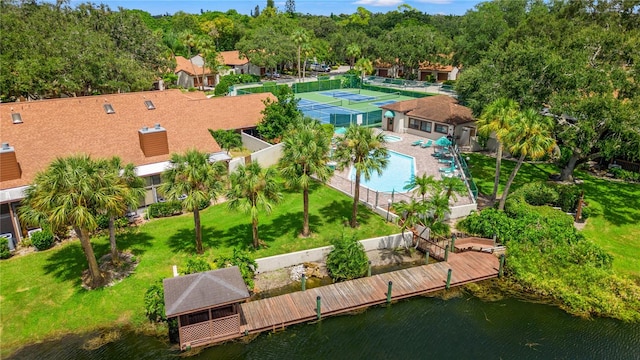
(399, 170)
(392, 138)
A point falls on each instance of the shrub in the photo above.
(625, 175)
(568, 196)
(347, 260)
(103, 222)
(42, 240)
(539, 194)
(154, 302)
(244, 262)
(164, 209)
(196, 264)
(5, 252)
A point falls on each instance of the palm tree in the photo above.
(452, 186)
(531, 136)
(364, 66)
(252, 188)
(365, 151)
(299, 37)
(71, 192)
(353, 51)
(194, 179)
(411, 213)
(127, 193)
(421, 185)
(304, 156)
(496, 118)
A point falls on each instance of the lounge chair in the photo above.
(427, 144)
(448, 169)
(446, 161)
(416, 143)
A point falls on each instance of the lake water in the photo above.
(420, 328)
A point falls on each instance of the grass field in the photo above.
(615, 220)
(41, 293)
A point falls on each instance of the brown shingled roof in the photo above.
(184, 64)
(186, 294)
(440, 108)
(232, 58)
(62, 127)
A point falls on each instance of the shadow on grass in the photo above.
(184, 240)
(289, 224)
(68, 262)
(620, 201)
(339, 212)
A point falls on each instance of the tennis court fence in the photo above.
(375, 98)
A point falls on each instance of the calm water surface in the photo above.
(420, 328)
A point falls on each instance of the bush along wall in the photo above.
(164, 209)
(547, 256)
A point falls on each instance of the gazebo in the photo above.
(206, 305)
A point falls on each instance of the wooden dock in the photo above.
(285, 310)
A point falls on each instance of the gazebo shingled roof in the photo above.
(186, 294)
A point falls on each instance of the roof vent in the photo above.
(17, 118)
(156, 126)
(6, 147)
(149, 105)
(109, 109)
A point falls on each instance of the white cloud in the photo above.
(435, 2)
(379, 2)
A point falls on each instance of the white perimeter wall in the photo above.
(319, 254)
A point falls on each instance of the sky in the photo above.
(314, 7)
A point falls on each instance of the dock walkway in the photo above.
(285, 310)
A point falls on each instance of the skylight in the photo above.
(17, 118)
(149, 105)
(109, 109)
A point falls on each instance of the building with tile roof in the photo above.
(142, 128)
(431, 117)
(190, 73)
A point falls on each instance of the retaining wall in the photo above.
(319, 254)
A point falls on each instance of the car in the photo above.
(275, 74)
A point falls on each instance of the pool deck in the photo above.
(424, 162)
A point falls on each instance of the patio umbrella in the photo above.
(341, 131)
(443, 141)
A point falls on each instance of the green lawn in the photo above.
(41, 295)
(615, 222)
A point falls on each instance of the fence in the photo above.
(271, 87)
(370, 118)
(414, 94)
(465, 168)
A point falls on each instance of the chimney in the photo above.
(9, 166)
(153, 141)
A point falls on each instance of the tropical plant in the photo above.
(253, 188)
(71, 192)
(353, 51)
(243, 261)
(347, 260)
(530, 136)
(497, 118)
(452, 186)
(364, 66)
(154, 302)
(299, 38)
(193, 179)
(227, 139)
(196, 264)
(278, 115)
(361, 148)
(304, 157)
(5, 252)
(412, 213)
(422, 185)
(129, 189)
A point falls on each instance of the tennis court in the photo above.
(342, 107)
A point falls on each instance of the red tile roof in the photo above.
(61, 127)
(440, 108)
(232, 58)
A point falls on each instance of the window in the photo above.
(149, 105)
(420, 125)
(443, 129)
(109, 109)
(17, 118)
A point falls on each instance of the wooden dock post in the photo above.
(389, 292)
(494, 240)
(501, 270)
(446, 253)
(318, 313)
(449, 279)
(453, 242)
(304, 282)
(426, 258)
(369, 270)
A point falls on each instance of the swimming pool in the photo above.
(399, 171)
(392, 138)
